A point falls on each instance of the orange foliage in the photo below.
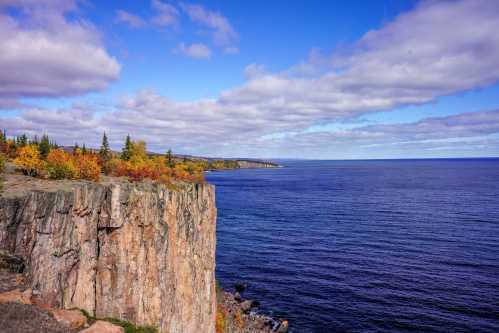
(238, 318)
(28, 160)
(221, 320)
(155, 169)
(61, 165)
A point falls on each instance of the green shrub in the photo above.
(127, 326)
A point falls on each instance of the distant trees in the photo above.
(42, 158)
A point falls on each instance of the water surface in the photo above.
(365, 246)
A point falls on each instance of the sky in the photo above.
(262, 79)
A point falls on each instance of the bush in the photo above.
(87, 166)
(28, 160)
(2, 162)
(60, 165)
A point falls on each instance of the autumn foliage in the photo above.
(28, 160)
(63, 165)
(44, 159)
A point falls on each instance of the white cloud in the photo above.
(412, 60)
(231, 50)
(167, 15)
(223, 32)
(38, 53)
(196, 50)
(131, 20)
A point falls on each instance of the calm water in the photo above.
(365, 246)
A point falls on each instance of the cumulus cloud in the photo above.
(130, 19)
(196, 50)
(167, 15)
(38, 52)
(412, 60)
(223, 32)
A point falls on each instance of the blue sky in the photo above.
(313, 79)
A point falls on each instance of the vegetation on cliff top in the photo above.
(45, 159)
(127, 326)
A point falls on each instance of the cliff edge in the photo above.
(135, 251)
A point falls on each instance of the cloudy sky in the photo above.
(308, 79)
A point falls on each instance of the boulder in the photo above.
(101, 326)
(17, 296)
(283, 327)
(73, 319)
(246, 306)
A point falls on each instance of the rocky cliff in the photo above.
(138, 252)
(250, 164)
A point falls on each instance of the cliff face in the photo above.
(138, 252)
(247, 164)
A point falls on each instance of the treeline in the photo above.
(45, 159)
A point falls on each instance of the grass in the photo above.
(127, 326)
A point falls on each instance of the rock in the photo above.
(283, 327)
(237, 297)
(17, 296)
(135, 251)
(11, 262)
(101, 326)
(23, 318)
(246, 306)
(73, 319)
(240, 287)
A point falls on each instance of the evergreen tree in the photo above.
(22, 140)
(76, 148)
(169, 159)
(3, 137)
(83, 149)
(105, 151)
(125, 153)
(44, 146)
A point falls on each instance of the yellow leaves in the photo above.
(2, 162)
(28, 160)
(63, 165)
(87, 167)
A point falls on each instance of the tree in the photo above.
(83, 149)
(125, 153)
(60, 165)
(169, 159)
(138, 152)
(22, 140)
(28, 160)
(44, 146)
(105, 151)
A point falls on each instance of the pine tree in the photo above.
(22, 140)
(105, 151)
(3, 137)
(169, 159)
(125, 153)
(44, 146)
(84, 149)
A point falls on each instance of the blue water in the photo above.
(365, 246)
